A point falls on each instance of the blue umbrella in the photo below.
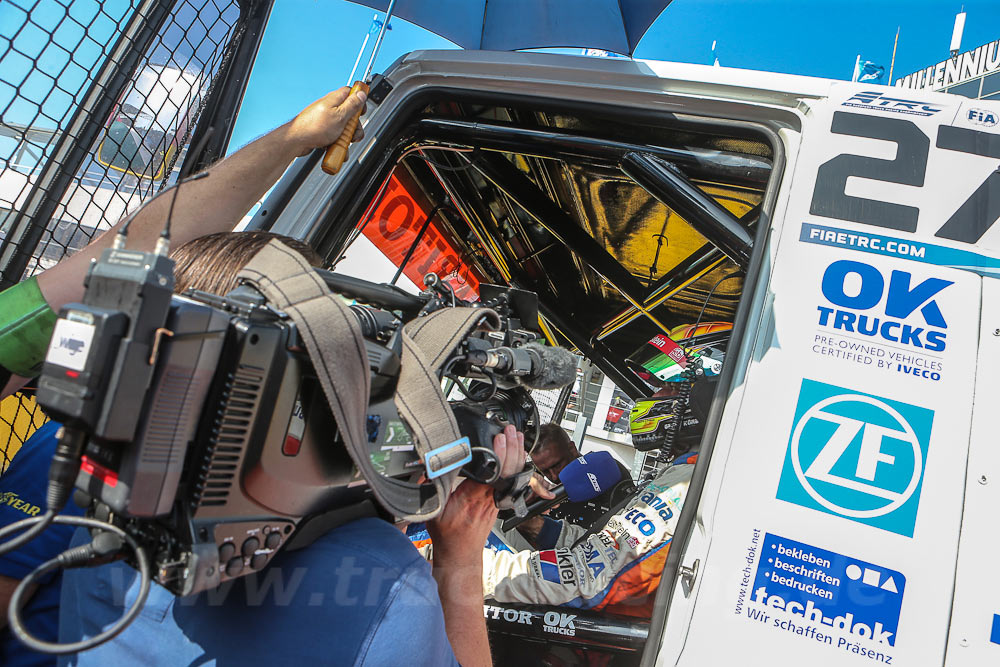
(510, 25)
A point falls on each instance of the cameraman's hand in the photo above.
(319, 125)
(509, 448)
(463, 526)
(459, 535)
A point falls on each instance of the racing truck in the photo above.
(839, 511)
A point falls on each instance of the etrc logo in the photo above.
(855, 288)
(872, 99)
(856, 455)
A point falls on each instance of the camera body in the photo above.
(235, 454)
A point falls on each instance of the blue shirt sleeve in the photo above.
(22, 495)
(549, 533)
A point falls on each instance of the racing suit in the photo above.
(618, 567)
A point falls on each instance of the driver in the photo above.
(616, 566)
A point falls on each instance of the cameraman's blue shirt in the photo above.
(360, 595)
(22, 495)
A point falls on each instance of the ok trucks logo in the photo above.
(856, 456)
(848, 604)
(895, 308)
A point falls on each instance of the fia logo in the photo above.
(872, 99)
(983, 117)
(856, 455)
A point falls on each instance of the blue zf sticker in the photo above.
(857, 456)
(828, 597)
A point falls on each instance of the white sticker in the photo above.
(70, 345)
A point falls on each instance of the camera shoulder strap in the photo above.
(427, 343)
(336, 348)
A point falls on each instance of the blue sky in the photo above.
(310, 45)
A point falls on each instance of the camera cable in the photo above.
(103, 544)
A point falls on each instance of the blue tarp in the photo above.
(510, 25)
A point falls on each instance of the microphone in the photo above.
(534, 366)
(589, 476)
(583, 479)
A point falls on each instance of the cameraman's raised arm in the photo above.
(458, 536)
(205, 206)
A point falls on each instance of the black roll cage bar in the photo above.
(646, 165)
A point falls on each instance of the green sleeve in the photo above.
(26, 324)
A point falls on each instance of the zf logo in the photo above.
(857, 456)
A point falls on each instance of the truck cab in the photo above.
(838, 513)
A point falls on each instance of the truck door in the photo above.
(832, 519)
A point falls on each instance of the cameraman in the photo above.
(398, 596)
(359, 595)
(208, 263)
(28, 313)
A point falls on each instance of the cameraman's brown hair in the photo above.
(210, 263)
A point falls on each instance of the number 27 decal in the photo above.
(967, 224)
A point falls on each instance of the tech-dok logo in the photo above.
(856, 455)
(861, 300)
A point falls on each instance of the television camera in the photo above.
(196, 430)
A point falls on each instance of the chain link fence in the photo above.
(99, 102)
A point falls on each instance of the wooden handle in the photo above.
(337, 153)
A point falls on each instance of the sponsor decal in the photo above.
(592, 556)
(496, 613)
(850, 605)
(557, 566)
(747, 572)
(549, 567)
(873, 99)
(637, 518)
(856, 455)
(12, 499)
(982, 117)
(610, 545)
(608, 540)
(593, 481)
(657, 503)
(70, 344)
(669, 347)
(559, 624)
(296, 427)
(891, 321)
(632, 541)
(399, 227)
(889, 246)
(553, 622)
(862, 300)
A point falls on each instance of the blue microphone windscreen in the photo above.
(590, 475)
